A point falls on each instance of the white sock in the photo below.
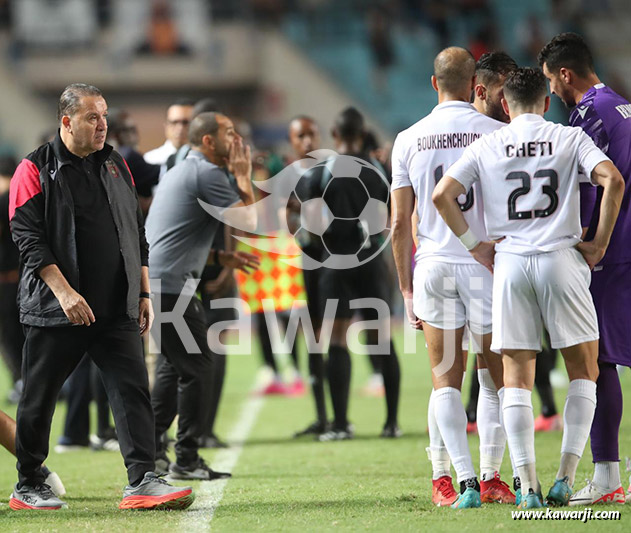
(437, 452)
(578, 415)
(500, 395)
(607, 475)
(528, 477)
(490, 430)
(519, 423)
(567, 467)
(452, 421)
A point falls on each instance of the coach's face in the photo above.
(559, 86)
(226, 136)
(87, 126)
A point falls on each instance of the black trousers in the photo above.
(84, 385)
(50, 355)
(219, 374)
(184, 380)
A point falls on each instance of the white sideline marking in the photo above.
(210, 493)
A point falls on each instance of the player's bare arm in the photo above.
(612, 182)
(403, 200)
(445, 198)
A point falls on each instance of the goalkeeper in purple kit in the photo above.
(606, 117)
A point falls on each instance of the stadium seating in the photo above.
(337, 38)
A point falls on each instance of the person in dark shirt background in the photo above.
(11, 336)
(346, 237)
(122, 134)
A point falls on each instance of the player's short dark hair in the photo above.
(567, 50)
(349, 124)
(202, 124)
(525, 86)
(205, 105)
(70, 99)
(300, 118)
(492, 65)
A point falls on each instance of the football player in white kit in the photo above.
(450, 289)
(529, 178)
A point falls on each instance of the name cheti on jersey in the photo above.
(421, 155)
(529, 176)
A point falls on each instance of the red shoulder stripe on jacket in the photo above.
(24, 185)
(132, 176)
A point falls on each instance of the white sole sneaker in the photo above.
(591, 494)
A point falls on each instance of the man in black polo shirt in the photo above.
(84, 287)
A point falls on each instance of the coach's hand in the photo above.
(240, 260)
(484, 253)
(76, 308)
(414, 321)
(145, 315)
(591, 252)
(240, 160)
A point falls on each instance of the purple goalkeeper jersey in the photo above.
(606, 117)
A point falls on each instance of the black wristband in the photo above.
(145, 295)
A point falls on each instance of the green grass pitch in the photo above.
(281, 484)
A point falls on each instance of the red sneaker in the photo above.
(472, 427)
(591, 494)
(443, 493)
(549, 423)
(153, 492)
(297, 388)
(496, 491)
(275, 387)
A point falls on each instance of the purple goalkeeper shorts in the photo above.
(611, 290)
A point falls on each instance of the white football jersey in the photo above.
(529, 173)
(421, 155)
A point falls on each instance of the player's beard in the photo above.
(496, 111)
(569, 102)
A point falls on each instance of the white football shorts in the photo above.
(449, 295)
(547, 289)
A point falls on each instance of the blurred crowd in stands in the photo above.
(168, 27)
